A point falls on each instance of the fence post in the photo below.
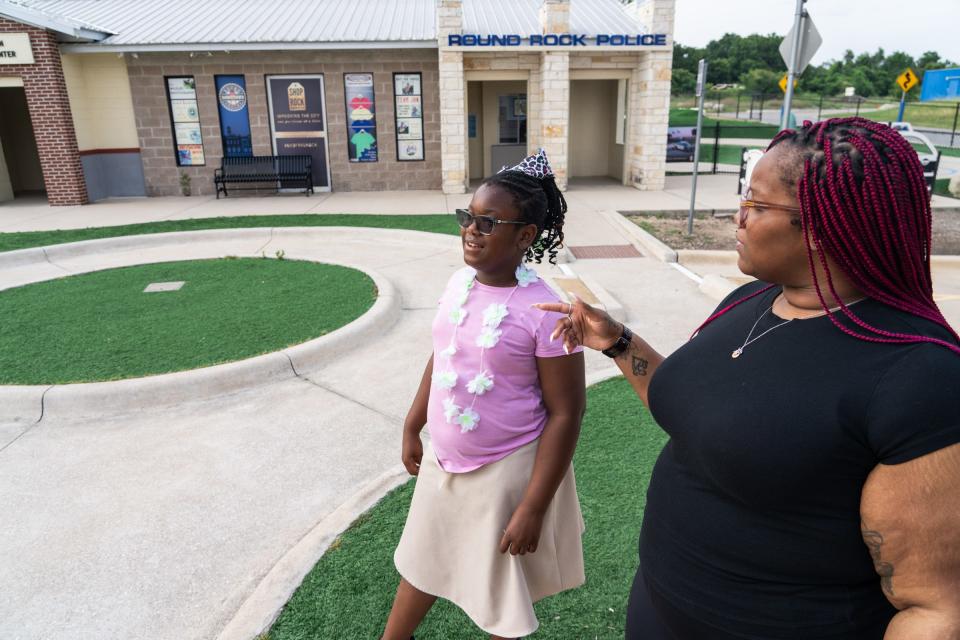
(761, 107)
(953, 132)
(737, 117)
(859, 100)
(820, 108)
(751, 105)
(716, 145)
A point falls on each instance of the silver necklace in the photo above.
(736, 352)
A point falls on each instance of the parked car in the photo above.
(680, 151)
(928, 154)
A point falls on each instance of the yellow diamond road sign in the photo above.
(783, 84)
(907, 80)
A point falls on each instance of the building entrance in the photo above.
(20, 172)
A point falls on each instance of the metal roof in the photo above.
(69, 28)
(144, 25)
(522, 17)
(252, 22)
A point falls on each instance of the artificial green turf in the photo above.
(101, 326)
(348, 593)
(440, 223)
(942, 188)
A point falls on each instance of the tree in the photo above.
(761, 81)
(683, 82)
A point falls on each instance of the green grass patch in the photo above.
(728, 128)
(941, 188)
(441, 223)
(101, 326)
(348, 594)
(919, 116)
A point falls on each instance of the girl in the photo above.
(495, 523)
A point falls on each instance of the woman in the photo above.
(810, 486)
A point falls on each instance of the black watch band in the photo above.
(621, 345)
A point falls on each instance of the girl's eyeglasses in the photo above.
(485, 224)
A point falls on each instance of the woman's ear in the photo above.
(527, 235)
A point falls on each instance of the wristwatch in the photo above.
(621, 345)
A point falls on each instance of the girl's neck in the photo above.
(498, 278)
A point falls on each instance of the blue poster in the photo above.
(234, 116)
(361, 117)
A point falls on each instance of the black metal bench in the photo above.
(284, 171)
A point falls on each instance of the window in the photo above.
(513, 119)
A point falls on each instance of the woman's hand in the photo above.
(584, 325)
(411, 452)
(523, 532)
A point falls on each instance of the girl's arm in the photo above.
(564, 394)
(412, 449)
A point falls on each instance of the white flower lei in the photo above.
(445, 376)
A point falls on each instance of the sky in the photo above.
(860, 25)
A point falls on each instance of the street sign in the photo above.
(701, 77)
(783, 83)
(809, 44)
(907, 80)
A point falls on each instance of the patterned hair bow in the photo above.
(535, 166)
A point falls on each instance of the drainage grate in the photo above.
(605, 251)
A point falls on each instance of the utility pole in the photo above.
(701, 83)
(798, 31)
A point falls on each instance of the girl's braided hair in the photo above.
(539, 202)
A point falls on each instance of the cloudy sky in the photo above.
(861, 25)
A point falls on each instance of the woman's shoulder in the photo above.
(743, 291)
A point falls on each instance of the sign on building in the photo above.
(408, 103)
(361, 117)
(15, 48)
(185, 116)
(298, 122)
(234, 116)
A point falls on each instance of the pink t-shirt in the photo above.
(511, 412)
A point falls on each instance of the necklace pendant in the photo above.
(736, 353)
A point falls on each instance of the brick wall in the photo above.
(50, 116)
(155, 130)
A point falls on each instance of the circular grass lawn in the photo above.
(103, 326)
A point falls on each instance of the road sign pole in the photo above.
(903, 104)
(701, 82)
(792, 68)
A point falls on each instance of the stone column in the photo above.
(453, 149)
(649, 99)
(555, 111)
(554, 91)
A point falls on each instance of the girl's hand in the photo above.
(584, 325)
(411, 453)
(523, 532)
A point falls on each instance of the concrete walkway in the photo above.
(167, 523)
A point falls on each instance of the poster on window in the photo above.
(185, 118)
(408, 106)
(407, 84)
(234, 116)
(298, 121)
(361, 117)
(408, 110)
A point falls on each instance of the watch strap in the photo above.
(621, 345)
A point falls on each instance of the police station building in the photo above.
(125, 98)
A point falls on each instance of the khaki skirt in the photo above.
(450, 543)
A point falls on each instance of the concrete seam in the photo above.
(347, 398)
(52, 263)
(411, 260)
(30, 426)
(265, 244)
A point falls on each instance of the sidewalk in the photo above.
(164, 524)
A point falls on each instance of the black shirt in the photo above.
(752, 521)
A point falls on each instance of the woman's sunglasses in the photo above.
(485, 224)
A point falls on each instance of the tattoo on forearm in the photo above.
(638, 365)
(874, 540)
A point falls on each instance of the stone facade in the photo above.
(154, 127)
(453, 134)
(50, 116)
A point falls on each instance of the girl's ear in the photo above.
(527, 235)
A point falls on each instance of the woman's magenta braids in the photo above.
(864, 202)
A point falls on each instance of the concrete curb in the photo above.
(645, 242)
(32, 403)
(259, 611)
